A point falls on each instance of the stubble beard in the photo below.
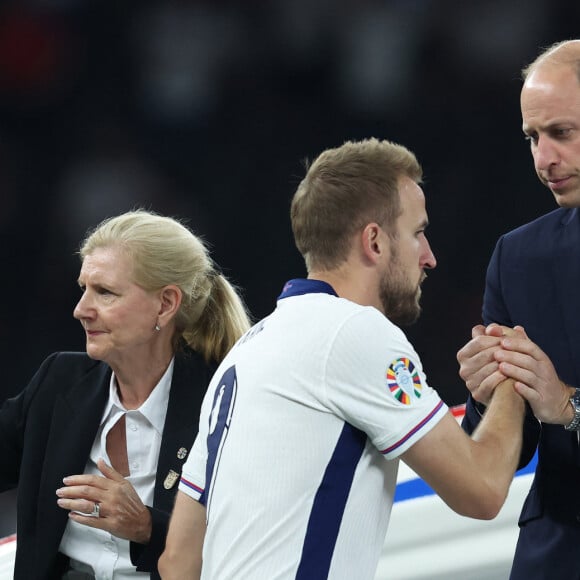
(400, 299)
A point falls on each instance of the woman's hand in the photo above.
(121, 511)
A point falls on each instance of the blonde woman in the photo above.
(96, 441)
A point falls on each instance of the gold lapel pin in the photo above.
(171, 478)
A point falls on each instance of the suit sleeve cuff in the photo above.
(145, 556)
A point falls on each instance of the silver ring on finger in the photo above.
(96, 513)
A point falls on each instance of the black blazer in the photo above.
(46, 433)
(533, 280)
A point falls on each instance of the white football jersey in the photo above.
(300, 430)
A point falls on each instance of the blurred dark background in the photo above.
(205, 110)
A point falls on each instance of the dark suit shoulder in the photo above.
(192, 363)
(80, 361)
(538, 239)
(61, 370)
(191, 377)
(545, 223)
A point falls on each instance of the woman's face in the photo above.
(118, 316)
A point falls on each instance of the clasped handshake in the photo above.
(497, 352)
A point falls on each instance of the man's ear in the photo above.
(170, 297)
(374, 242)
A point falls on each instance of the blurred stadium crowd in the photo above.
(205, 110)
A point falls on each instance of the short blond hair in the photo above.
(344, 189)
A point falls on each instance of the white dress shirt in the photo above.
(96, 551)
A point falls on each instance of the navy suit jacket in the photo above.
(533, 280)
(46, 433)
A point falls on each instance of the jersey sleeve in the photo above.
(216, 412)
(192, 480)
(375, 381)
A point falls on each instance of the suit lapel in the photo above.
(191, 376)
(566, 271)
(76, 418)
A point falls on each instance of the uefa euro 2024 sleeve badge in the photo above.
(403, 381)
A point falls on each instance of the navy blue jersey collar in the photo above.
(300, 286)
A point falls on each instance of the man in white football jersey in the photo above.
(294, 469)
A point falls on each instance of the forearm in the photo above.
(473, 474)
(498, 439)
(182, 557)
(179, 566)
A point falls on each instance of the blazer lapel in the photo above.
(566, 271)
(76, 418)
(191, 376)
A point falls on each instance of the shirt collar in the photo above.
(299, 286)
(153, 409)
